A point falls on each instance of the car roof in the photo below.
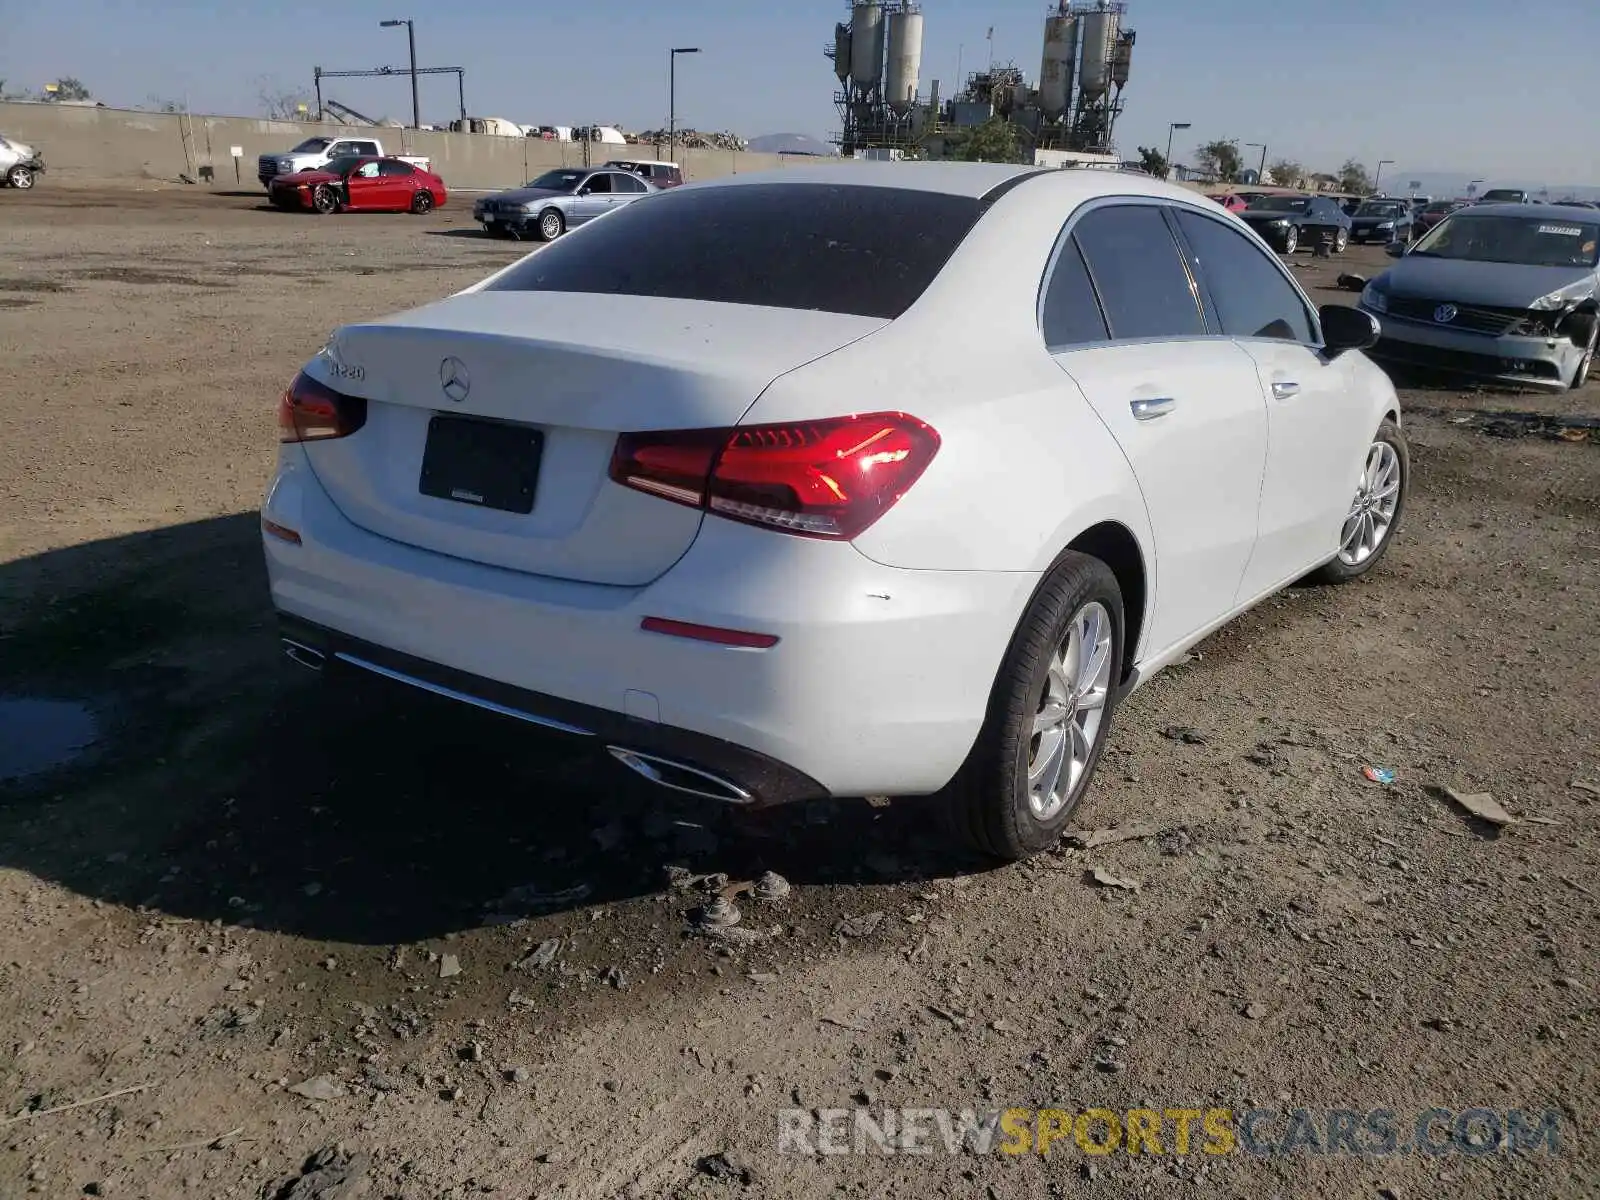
(1570, 211)
(953, 178)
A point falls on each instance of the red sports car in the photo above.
(360, 184)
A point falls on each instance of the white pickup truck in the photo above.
(317, 152)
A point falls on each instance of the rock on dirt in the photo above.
(332, 1173)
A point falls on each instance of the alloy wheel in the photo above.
(1372, 514)
(1071, 707)
(550, 226)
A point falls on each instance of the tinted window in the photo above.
(1137, 270)
(627, 183)
(1281, 204)
(599, 185)
(869, 251)
(390, 167)
(1071, 313)
(366, 147)
(1251, 296)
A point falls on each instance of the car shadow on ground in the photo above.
(232, 785)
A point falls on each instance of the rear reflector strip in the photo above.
(280, 531)
(709, 633)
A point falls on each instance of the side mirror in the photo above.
(1345, 328)
(584, 191)
(1395, 249)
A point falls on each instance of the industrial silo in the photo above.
(866, 44)
(905, 59)
(1122, 60)
(841, 51)
(1060, 56)
(1099, 40)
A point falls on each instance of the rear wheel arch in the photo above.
(1115, 545)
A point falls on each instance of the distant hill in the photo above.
(790, 143)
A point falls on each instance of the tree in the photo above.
(995, 140)
(1287, 173)
(1153, 161)
(68, 88)
(279, 103)
(1220, 158)
(1353, 177)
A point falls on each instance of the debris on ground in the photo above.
(771, 886)
(1255, 1010)
(726, 1168)
(719, 913)
(1105, 878)
(517, 1075)
(1107, 837)
(449, 966)
(616, 977)
(332, 1173)
(319, 1087)
(859, 927)
(1383, 775)
(945, 1014)
(1480, 804)
(1186, 734)
(1351, 282)
(1583, 785)
(540, 956)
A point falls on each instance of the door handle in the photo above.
(1149, 410)
(1283, 389)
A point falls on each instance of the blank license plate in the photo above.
(484, 463)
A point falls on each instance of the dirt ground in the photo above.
(266, 920)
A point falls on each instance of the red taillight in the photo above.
(830, 478)
(310, 411)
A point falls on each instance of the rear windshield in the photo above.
(1281, 204)
(865, 251)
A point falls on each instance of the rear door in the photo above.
(398, 181)
(1123, 319)
(1316, 414)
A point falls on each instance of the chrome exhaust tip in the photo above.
(305, 656)
(680, 777)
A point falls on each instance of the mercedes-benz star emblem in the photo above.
(454, 379)
(1445, 313)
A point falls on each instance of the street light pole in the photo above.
(411, 39)
(1170, 128)
(1382, 163)
(672, 98)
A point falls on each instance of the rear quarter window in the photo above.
(864, 251)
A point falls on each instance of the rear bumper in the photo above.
(1527, 362)
(878, 684)
(764, 780)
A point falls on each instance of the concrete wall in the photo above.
(108, 145)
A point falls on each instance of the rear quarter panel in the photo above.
(1024, 463)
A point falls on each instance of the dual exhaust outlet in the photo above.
(665, 773)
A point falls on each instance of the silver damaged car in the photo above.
(558, 200)
(1506, 292)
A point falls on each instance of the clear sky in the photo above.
(1477, 88)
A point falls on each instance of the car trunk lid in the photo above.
(512, 401)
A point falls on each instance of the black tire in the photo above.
(422, 201)
(1336, 569)
(324, 199)
(987, 804)
(1584, 330)
(20, 177)
(551, 225)
(1341, 241)
(1291, 240)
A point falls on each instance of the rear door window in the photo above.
(1071, 313)
(842, 248)
(1249, 292)
(1137, 269)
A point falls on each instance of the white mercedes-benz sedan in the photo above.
(868, 479)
